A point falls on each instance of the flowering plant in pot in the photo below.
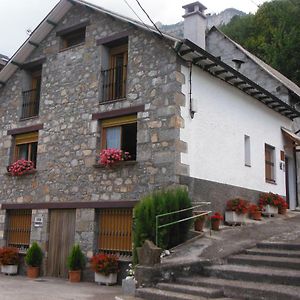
(76, 263)
(269, 203)
(33, 259)
(254, 212)
(9, 260)
(215, 220)
(282, 206)
(109, 157)
(236, 210)
(20, 167)
(105, 267)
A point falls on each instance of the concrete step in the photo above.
(191, 290)
(278, 245)
(273, 252)
(245, 289)
(157, 294)
(256, 274)
(262, 260)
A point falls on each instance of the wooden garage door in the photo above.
(61, 240)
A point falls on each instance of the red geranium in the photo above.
(216, 216)
(272, 199)
(237, 205)
(105, 263)
(20, 167)
(110, 156)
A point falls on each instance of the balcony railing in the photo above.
(114, 83)
(31, 103)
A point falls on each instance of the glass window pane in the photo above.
(23, 151)
(113, 137)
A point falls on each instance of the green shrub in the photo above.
(161, 202)
(34, 255)
(76, 260)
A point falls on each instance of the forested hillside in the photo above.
(272, 34)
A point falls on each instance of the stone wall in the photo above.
(68, 143)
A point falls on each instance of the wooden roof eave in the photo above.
(213, 65)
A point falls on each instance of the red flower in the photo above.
(104, 263)
(20, 167)
(216, 216)
(110, 156)
(237, 205)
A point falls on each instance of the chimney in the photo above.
(195, 23)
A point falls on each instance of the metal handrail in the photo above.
(157, 226)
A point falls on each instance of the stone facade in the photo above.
(69, 142)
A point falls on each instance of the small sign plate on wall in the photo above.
(38, 221)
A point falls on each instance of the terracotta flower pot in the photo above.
(215, 225)
(75, 276)
(256, 216)
(198, 224)
(33, 272)
(282, 210)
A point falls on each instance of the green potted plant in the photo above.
(215, 220)
(75, 263)
(33, 259)
(105, 267)
(9, 260)
(236, 210)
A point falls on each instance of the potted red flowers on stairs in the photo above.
(215, 221)
(236, 210)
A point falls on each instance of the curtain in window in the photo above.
(113, 137)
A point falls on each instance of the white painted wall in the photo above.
(215, 136)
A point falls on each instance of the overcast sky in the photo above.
(16, 16)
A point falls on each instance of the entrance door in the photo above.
(61, 240)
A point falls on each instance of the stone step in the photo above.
(192, 290)
(262, 260)
(278, 245)
(245, 289)
(157, 294)
(256, 274)
(273, 252)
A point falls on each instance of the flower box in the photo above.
(9, 269)
(231, 217)
(107, 280)
(269, 210)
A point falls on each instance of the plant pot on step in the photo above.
(269, 210)
(9, 269)
(75, 276)
(33, 272)
(231, 217)
(106, 279)
(282, 210)
(215, 225)
(199, 224)
(256, 216)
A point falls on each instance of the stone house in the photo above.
(89, 79)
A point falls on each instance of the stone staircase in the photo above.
(268, 271)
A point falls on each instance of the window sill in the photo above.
(25, 174)
(271, 182)
(71, 47)
(247, 165)
(117, 164)
(29, 118)
(103, 102)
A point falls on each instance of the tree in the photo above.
(272, 34)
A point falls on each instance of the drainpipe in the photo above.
(296, 174)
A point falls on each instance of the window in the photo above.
(270, 163)
(247, 151)
(73, 38)
(114, 78)
(120, 133)
(31, 97)
(19, 228)
(115, 231)
(26, 146)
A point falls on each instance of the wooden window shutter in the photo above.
(26, 138)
